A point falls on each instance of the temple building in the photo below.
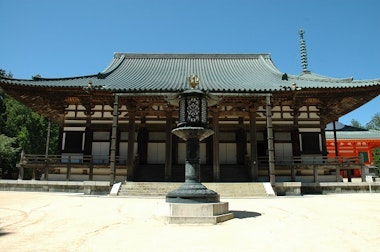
(117, 123)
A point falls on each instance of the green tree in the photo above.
(374, 123)
(3, 73)
(26, 129)
(355, 123)
(8, 155)
(376, 159)
(2, 111)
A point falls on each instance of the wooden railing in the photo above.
(91, 165)
(69, 163)
(316, 165)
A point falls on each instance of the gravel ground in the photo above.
(31, 221)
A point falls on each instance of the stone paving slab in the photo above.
(43, 221)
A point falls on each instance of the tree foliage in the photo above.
(22, 129)
(355, 123)
(3, 73)
(374, 123)
(8, 155)
(376, 159)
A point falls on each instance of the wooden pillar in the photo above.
(293, 173)
(142, 142)
(88, 141)
(47, 151)
(295, 136)
(253, 140)
(215, 145)
(114, 138)
(60, 140)
(169, 145)
(295, 133)
(131, 141)
(68, 169)
(323, 137)
(88, 133)
(241, 143)
(272, 176)
(335, 141)
(209, 144)
(91, 169)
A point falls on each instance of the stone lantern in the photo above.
(192, 202)
(192, 127)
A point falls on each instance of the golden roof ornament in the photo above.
(193, 81)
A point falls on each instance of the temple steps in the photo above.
(160, 189)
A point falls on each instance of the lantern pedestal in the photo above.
(192, 202)
(192, 191)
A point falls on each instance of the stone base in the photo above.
(192, 193)
(203, 213)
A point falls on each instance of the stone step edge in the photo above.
(129, 187)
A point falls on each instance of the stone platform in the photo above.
(85, 187)
(202, 213)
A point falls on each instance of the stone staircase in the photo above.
(160, 189)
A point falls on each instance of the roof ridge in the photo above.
(193, 55)
(34, 78)
(314, 76)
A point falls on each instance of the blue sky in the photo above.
(78, 37)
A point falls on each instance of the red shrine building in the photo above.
(116, 124)
(348, 142)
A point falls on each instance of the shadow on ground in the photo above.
(245, 214)
(2, 233)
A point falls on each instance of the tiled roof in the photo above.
(242, 73)
(349, 132)
(341, 135)
(342, 127)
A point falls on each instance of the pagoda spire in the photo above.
(303, 51)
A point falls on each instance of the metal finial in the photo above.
(193, 81)
(303, 51)
(301, 32)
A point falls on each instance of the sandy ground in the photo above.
(73, 222)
